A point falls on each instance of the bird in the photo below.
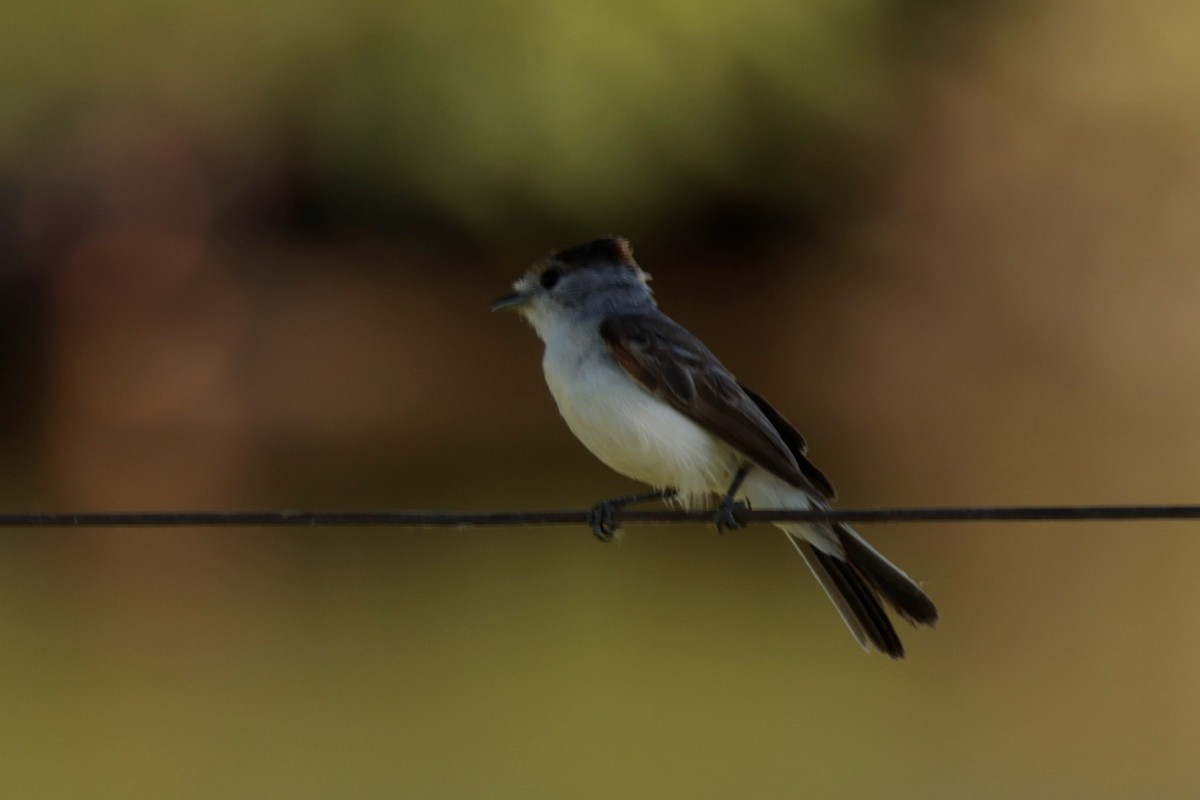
(648, 399)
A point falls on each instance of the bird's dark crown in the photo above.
(606, 250)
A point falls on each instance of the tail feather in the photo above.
(856, 582)
(900, 591)
(854, 598)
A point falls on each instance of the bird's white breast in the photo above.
(626, 427)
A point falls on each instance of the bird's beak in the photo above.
(511, 302)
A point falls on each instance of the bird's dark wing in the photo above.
(794, 441)
(676, 367)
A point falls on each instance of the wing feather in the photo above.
(675, 366)
(795, 443)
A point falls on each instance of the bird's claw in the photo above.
(728, 513)
(603, 516)
(603, 520)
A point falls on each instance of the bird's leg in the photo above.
(603, 516)
(727, 511)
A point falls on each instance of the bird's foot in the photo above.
(730, 509)
(602, 518)
(728, 514)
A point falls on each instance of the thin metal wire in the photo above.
(494, 519)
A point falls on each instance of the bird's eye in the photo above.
(550, 277)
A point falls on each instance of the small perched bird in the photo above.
(651, 402)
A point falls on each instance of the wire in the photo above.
(494, 519)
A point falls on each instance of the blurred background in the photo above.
(246, 257)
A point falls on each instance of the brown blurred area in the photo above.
(246, 256)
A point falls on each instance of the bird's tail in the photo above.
(856, 579)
